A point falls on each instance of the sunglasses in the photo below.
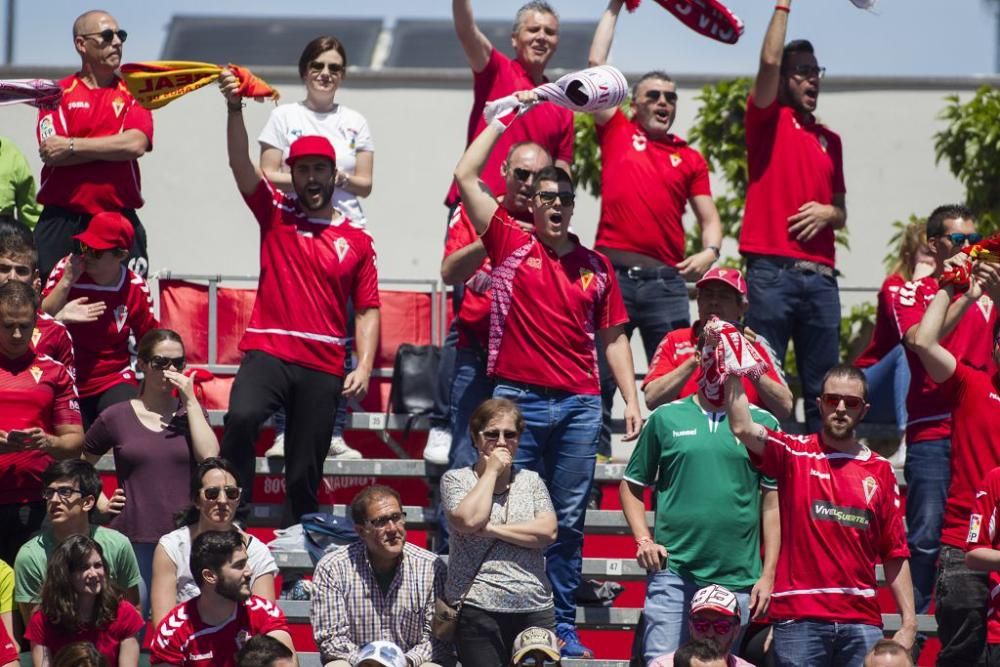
(523, 174)
(960, 239)
(669, 96)
(383, 521)
(808, 71)
(850, 402)
(317, 67)
(64, 492)
(212, 492)
(537, 659)
(107, 35)
(721, 626)
(163, 363)
(493, 435)
(548, 198)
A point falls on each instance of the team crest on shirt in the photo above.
(36, 336)
(870, 486)
(36, 373)
(639, 141)
(241, 638)
(118, 104)
(985, 304)
(341, 246)
(586, 277)
(975, 525)
(120, 314)
(534, 262)
(675, 159)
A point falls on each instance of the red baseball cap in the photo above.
(108, 230)
(731, 277)
(311, 145)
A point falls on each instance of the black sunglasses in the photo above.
(212, 492)
(332, 68)
(163, 363)
(850, 402)
(107, 35)
(93, 253)
(548, 197)
(493, 435)
(668, 95)
(523, 174)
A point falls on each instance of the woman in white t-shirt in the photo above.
(322, 66)
(214, 498)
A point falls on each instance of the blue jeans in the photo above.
(927, 471)
(888, 382)
(960, 608)
(822, 643)
(668, 601)
(801, 306)
(560, 444)
(144, 556)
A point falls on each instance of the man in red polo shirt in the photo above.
(795, 201)
(90, 147)
(839, 502)
(970, 395)
(983, 544)
(674, 371)
(554, 302)
(39, 418)
(312, 259)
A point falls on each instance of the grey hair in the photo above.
(532, 6)
(659, 75)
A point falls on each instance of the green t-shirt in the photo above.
(33, 558)
(707, 492)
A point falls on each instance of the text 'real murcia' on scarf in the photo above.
(726, 352)
(156, 83)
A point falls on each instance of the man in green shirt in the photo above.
(71, 490)
(709, 505)
(17, 186)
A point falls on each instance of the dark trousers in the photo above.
(960, 609)
(54, 238)
(310, 397)
(17, 524)
(92, 406)
(486, 638)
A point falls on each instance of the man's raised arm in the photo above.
(475, 44)
(741, 423)
(600, 47)
(765, 85)
(237, 143)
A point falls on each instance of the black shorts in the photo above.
(54, 238)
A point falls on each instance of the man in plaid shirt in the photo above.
(378, 589)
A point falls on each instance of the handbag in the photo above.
(414, 388)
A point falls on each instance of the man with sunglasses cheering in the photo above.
(795, 202)
(554, 302)
(840, 508)
(90, 147)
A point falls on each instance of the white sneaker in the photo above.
(277, 450)
(339, 449)
(438, 446)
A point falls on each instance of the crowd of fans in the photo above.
(764, 545)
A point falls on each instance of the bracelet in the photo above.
(642, 540)
(716, 249)
(72, 146)
(781, 8)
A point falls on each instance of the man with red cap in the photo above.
(313, 259)
(90, 147)
(674, 371)
(104, 373)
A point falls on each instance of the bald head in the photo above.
(888, 653)
(98, 40)
(90, 21)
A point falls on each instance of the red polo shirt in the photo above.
(886, 333)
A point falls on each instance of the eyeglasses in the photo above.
(721, 626)
(808, 71)
(523, 174)
(669, 96)
(850, 402)
(64, 492)
(493, 435)
(163, 363)
(383, 521)
(212, 492)
(317, 67)
(537, 659)
(93, 253)
(107, 35)
(960, 239)
(548, 198)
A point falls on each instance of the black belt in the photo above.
(537, 389)
(640, 273)
(800, 265)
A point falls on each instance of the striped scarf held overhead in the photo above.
(41, 93)
(726, 352)
(157, 83)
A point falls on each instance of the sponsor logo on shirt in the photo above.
(679, 434)
(36, 373)
(975, 524)
(821, 475)
(78, 105)
(201, 656)
(46, 128)
(852, 517)
(534, 262)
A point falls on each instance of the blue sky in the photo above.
(902, 37)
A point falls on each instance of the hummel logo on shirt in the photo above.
(678, 434)
(821, 475)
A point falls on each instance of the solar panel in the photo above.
(431, 43)
(265, 41)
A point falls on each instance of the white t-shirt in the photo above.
(177, 544)
(346, 129)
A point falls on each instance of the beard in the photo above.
(838, 431)
(306, 200)
(232, 590)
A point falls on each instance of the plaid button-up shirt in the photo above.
(349, 610)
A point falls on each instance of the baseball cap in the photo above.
(715, 598)
(311, 145)
(535, 639)
(108, 230)
(731, 277)
(382, 653)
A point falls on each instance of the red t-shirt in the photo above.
(548, 309)
(52, 339)
(35, 391)
(182, 638)
(983, 533)
(107, 640)
(645, 185)
(100, 185)
(970, 341)
(974, 398)
(839, 515)
(680, 345)
(8, 651)
(791, 161)
(549, 125)
(309, 267)
(886, 333)
(102, 353)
